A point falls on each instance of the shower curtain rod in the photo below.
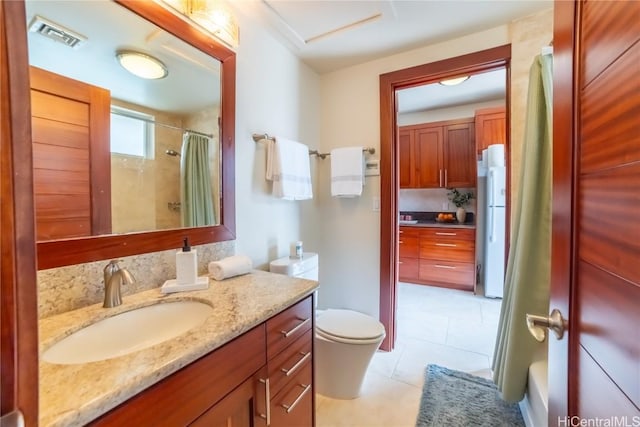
(153, 122)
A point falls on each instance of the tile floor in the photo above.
(450, 328)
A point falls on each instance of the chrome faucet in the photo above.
(114, 277)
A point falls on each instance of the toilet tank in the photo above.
(304, 268)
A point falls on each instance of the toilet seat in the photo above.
(348, 326)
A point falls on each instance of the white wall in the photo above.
(350, 246)
(350, 249)
(277, 94)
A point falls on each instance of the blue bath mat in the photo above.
(457, 399)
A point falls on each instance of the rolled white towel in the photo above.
(229, 267)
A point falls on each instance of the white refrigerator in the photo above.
(495, 218)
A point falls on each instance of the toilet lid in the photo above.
(349, 324)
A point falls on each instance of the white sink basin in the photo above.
(127, 332)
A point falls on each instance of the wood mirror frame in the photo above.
(58, 253)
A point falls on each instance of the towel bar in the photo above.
(257, 137)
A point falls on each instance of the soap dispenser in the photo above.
(186, 265)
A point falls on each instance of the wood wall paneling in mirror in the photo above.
(135, 196)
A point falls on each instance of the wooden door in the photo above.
(428, 148)
(71, 156)
(459, 155)
(18, 297)
(406, 155)
(595, 372)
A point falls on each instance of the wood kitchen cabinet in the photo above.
(420, 151)
(437, 155)
(459, 160)
(409, 253)
(262, 378)
(439, 256)
(447, 257)
(491, 128)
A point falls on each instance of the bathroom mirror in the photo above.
(134, 171)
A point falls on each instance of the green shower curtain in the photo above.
(529, 262)
(195, 182)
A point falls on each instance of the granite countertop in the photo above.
(77, 394)
(437, 224)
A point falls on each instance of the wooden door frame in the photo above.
(18, 292)
(472, 63)
(565, 110)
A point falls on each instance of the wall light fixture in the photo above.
(215, 16)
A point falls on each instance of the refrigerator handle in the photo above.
(492, 226)
(491, 180)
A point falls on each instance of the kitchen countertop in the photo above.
(438, 224)
(77, 394)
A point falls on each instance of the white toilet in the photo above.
(345, 340)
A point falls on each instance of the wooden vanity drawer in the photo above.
(460, 275)
(284, 328)
(289, 362)
(409, 246)
(293, 406)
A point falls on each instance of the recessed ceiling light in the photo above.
(453, 82)
(142, 65)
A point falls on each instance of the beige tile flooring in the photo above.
(450, 328)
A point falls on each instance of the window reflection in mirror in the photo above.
(125, 172)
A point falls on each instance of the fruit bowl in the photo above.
(445, 218)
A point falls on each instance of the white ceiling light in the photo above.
(453, 82)
(142, 65)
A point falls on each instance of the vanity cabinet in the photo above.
(437, 155)
(262, 378)
(491, 128)
(290, 366)
(438, 256)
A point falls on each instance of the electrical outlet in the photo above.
(445, 206)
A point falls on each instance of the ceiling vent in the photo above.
(56, 32)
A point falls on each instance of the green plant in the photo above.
(460, 199)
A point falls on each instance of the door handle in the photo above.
(538, 325)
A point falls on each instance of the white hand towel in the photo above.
(347, 172)
(229, 267)
(289, 168)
